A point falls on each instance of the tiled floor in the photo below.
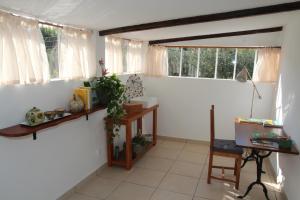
(171, 171)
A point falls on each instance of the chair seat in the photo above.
(227, 146)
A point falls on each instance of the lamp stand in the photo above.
(252, 101)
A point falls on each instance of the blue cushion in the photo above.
(228, 146)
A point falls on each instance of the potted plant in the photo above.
(110, 92)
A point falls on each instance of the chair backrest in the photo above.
(212, 126)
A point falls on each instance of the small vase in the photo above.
(116, 152)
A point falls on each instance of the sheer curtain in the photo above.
(113, 55)
(136, 56)
(76, 54)
(266, 68)
(157, 61)
(23, 57)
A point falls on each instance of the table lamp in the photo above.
(242, 77)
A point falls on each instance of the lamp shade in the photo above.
(242, 75)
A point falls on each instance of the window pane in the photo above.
(189, 62)
(50, 35)
(245, 57)
(207, 62)
(226, 63)
(174, 61)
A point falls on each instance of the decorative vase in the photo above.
(116, 152)
(76, 104)
(34, 117)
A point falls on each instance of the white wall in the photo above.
(185, 103)
(289, 105)
(61, 156)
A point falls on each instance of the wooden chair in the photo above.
(225, 148)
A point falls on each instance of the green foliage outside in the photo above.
(189, 62)
(174, 61)
(226, 59)
(207, 62)
(245, 57)
(50, 36)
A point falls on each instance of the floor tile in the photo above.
(149, 162)
(198, 198)
(221, 190)
(216, 191)
(167, 195)
(187, 169)
(257, 193)
(146, 177)
(198, 148)
(173, 145)
(223, 161)
(76, 196)
(180, 184)
(164, 153)
(193, 157)
(128, 191)
(115, 173)
(98, 187)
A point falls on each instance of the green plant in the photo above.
(110, 91)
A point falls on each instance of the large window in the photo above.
(50, 35)
(221, 63)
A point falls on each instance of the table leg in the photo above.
(259, 163)
(248, 158)
(128, 146)
(109, 127)
(251, 157)
(154, 128)
(139, 124)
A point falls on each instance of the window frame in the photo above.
(216, 61)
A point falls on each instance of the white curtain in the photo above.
(157, 61)
(266, 68)
(136, 56)
(23, 57)
(76, 54)
(113, 55)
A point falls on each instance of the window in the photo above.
(246, 58)
(226, 62)
(174, 55)
(189, 62)
(220, 63)
(207, 62)
(50, 35)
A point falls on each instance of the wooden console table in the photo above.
(127, 121)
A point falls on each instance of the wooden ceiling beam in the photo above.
(217, 35)
(206, 18)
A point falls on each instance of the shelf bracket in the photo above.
(34, 135)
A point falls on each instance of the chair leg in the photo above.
(235, 167)
(238, 171)
(209, 167)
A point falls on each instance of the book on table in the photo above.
(264, 122)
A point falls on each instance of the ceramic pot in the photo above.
(34, 117)
(76, 104)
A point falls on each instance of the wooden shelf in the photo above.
(21, 130)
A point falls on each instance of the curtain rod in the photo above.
(41, 21)
(237, 47)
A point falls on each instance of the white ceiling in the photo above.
(105, 14)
